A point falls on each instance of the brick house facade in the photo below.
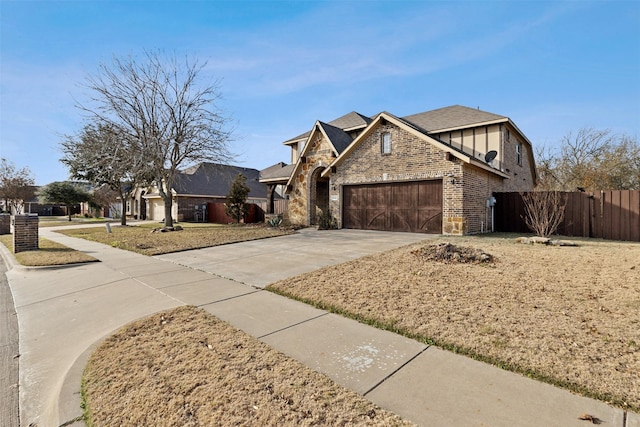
(400, 173)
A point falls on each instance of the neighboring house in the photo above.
(432, 172)
(275, 177)
(193, 189)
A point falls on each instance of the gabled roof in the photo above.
(349, 121)
(420, 133)
(453, 117)
(212, 179)
(336, 136)
(278, 172)
(338, 140)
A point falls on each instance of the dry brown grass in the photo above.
(140, 239)
(49, 253)
(566, 315)
(184, 367)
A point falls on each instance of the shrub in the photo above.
(327, 221)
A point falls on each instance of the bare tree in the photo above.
(102, 155)
(590, 159)
(105, 197)
(16, 186)
(544, 211)
(158, 104)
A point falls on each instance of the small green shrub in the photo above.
(275, 221)
(327, 221)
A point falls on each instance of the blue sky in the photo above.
(552, 67)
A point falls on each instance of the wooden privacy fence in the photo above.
(216, 213)
(611, 214)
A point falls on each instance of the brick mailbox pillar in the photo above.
(5, 223)
(25, 233)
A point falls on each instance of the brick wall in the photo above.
(25, 233)
(5, 224)
(521, 176)
(466, 188)
(411, 159)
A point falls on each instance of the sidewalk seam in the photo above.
(74, 292)
(227, 299)
(294, 325)
(396, 371)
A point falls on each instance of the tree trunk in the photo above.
(123, 215)
(69, 212)
(168, 205)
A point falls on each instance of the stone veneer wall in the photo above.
(302, 195)
(5, 224)
(25, 233)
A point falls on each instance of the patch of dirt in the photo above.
(448, 253)
(569, 314)
(184, 367)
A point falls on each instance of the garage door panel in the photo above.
(403, 219)
(376, 219)
(403, 196)
(429, 195)
(377, 196)
(405, 206)
(352, 218)
(430, 221)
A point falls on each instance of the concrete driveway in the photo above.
(260, 262)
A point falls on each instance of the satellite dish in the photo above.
(490, 156)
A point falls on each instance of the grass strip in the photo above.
(49, 253)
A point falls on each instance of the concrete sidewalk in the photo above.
(64, 312)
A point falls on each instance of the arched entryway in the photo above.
(318, 197)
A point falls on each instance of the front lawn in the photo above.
(569, 316)
(141, 239)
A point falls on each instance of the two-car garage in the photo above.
(414, 206)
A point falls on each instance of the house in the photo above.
(432, 172)
(193, 190)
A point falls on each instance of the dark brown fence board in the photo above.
(610, 214)
(634, 214)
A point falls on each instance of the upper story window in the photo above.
(519, 153)
(386, 143)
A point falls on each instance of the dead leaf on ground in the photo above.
(587, 417)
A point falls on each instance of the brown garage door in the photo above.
(399, 206)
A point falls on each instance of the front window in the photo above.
(519, 153)
(386, 143)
